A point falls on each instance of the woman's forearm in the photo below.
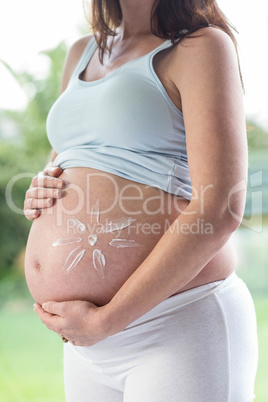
(177, 258)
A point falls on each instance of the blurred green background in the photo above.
(30, 355)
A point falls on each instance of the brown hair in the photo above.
(170, 19)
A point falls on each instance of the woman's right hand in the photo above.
(44, 188)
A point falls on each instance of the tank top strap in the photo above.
(84, 59)
(163, 46)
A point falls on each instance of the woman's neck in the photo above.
(136, 18)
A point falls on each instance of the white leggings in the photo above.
(198, 346)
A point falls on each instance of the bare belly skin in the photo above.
(90, 242)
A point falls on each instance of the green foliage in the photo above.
(14, 226)
(24, 149)
(31, 123)
(258, 170)
(257, 137)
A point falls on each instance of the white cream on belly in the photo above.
(99, 259)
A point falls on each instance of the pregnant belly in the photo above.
(88, 244)
(91, 241)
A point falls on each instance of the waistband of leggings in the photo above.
(188, 296)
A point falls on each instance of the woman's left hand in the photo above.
(80, 322)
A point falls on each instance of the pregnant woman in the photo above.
(128, 258)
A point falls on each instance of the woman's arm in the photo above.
(206, 74)
(42, 191)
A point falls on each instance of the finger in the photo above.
(47, 181)
(50, 320)
(31, 214)
(33, 203)
(54, 171)
(42, 192)
(57, 308)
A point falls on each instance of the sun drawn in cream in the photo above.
(99, 260)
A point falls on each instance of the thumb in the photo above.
(54, 171)
(52, 307)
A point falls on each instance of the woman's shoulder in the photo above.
(208, 39)
(72, 58)
(208, 46)
(79, 45)
(204, 40)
